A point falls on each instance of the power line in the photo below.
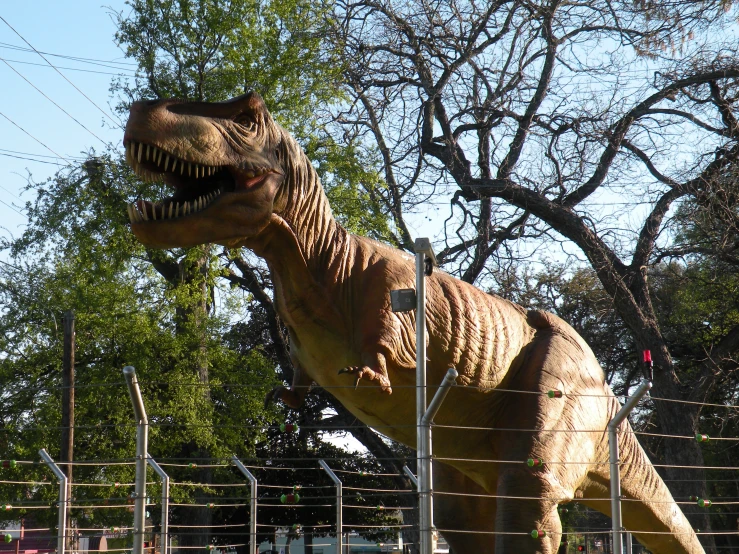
(59, 72)
(29, 159)
(34, 138)
(13, 208)
(68, 158)
(50, 100)
(68, 68)
(92, 61)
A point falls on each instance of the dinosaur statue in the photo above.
(241, 180)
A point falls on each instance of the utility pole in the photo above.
(67, 444)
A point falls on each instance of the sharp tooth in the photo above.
(186, 208)
(166, 163)
(177, 210)
(146, 217)
(159, 158)
(154, 212)
(200, 203)
(189, 169)
(171, 207)
(197, 170)
(147, 152)
(141, 149)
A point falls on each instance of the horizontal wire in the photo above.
(378, 490)
(214, 505)
(217, 525)
(380, 508)
(213, 485)
(208, 547)
(339, 458)
(275, 526)
(262, 505)
(330, 387)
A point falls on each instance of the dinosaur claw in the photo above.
(270, 397)
(369, 374)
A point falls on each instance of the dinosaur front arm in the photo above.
(374, 369)
(295, 395)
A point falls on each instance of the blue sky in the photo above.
(81, 29)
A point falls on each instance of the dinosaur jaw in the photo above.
(225, 204)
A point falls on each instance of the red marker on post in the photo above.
(648, 367)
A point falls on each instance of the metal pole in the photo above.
(252, 503)
(614, 461)
(410, 475)
(422, 433)
(165, 502)
(449, 380)
(427, 485)
(413, 479)
(629, 543)
(62, 525)
(66, 453)
(142, 440)
(339, 511)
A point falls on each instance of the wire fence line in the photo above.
(270, 497)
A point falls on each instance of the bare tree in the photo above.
(579, 123)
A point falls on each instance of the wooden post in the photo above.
(67, 434)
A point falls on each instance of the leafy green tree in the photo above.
(168, 313)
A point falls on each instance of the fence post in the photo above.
(614, 461)
(410, 476)
(423, 251)
(339, 506)
(254, 546)
(63, 500)
(165, 503)
(142, 444)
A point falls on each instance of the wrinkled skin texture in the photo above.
(251, 185)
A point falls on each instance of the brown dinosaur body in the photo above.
(254, 187)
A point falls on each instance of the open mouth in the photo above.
(196, 186)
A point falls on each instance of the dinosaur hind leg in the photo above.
(456, 512)
(521, 503)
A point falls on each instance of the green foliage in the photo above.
(342, 168)
(212, 50)
(168, 314)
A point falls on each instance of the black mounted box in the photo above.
(403, 300)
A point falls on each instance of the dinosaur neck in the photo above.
(307, 213)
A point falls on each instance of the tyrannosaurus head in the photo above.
(220, 159)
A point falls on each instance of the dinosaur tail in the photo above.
(647, 504)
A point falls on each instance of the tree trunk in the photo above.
(680, 455)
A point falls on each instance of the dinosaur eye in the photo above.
(245, 119)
